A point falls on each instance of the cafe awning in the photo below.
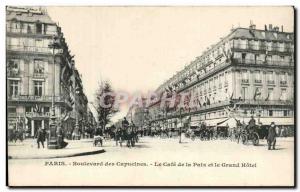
(277, 120)
(213, 122)
(230, 122)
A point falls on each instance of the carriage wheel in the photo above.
(201, 137)
(132, 143)
(255, 139)
(193, 137)
(244, 139)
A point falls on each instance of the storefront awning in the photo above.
(277, 121)
(214, 122)
(231, 123)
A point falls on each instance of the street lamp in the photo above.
(53, 142)
(180, 115)
(76, 130)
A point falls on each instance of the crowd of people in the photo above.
(129, 134)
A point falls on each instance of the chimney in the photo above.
(270, 27)
(281, 28)
(266, 28)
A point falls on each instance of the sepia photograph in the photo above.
(150, 96)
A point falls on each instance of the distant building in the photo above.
(36, 72)
(250, 72)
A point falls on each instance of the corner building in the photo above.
(36, 72)
(250, 72)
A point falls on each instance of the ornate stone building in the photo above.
(40, 69)
(250, 72)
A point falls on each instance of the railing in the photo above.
(33, 49)
(263, 102)
(34, 98)
(38, 75)
(271, 82)
(259, 62)
(262, 47)
(27, 31)
(13, 72)
(257, 81)
(283, 82)
(173, 113)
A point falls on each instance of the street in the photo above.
(158, 161)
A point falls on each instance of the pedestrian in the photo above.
(271, 139)
(40, 136)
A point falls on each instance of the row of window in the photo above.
(263, 45)
(271, 76)
(258, 94)
(29, 109)
(14, 88)
(213, 60)
(13, 65)
(26, 44)
(30, 28)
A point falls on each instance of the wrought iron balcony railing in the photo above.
(33, 98)
(29, 31)
(263, 47)
(259, 62)
(283, 82)
(33, 49)
(257, 81)
(271, 82)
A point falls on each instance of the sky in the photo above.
(138, 48)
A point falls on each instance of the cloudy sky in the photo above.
(138, 48)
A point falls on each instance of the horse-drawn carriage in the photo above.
(250, 134)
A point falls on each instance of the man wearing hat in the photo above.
(271, 139)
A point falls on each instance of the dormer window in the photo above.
(275, 34)
(263, 34)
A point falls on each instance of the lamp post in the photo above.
(53, 139)
(180, 115)
(76, 130)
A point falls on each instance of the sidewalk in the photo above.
(28, 150)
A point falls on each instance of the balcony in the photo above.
(28, 32)
(260, 62)
(30, 114)
(257, 81)
(263, 47)
(13, 72)
(263, 102)
(283, 83)
(38, 75)
(33, 49)
(246, 81)
(271, 82)
(33, 98)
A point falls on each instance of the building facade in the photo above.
(250, 72)
(40, 70)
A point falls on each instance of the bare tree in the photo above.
(106, 111)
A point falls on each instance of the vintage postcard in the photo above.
(150, 96)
